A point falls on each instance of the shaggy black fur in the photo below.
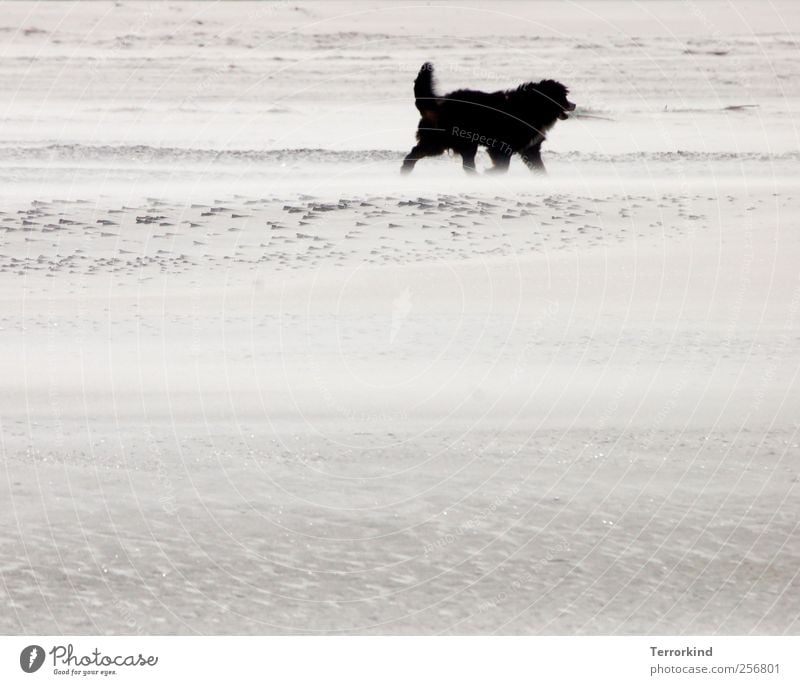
(505, 122)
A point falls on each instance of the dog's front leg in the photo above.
(532, 157)
(500, 160)
(500, 166)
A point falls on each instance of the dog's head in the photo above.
(552, 97)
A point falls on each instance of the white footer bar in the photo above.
(400, 660)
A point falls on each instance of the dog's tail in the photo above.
(423, 89)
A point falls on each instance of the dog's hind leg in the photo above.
(418, 152)
(468, 158)
(532, 156)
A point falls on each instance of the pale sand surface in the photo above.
(255, 382)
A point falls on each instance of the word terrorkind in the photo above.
(686, 651)
(65, 656)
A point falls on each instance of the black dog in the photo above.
(506, 122)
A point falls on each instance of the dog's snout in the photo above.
(570, 106)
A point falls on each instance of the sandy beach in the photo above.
(256, 382)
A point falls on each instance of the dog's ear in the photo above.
(552, 96)
(553, 90)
